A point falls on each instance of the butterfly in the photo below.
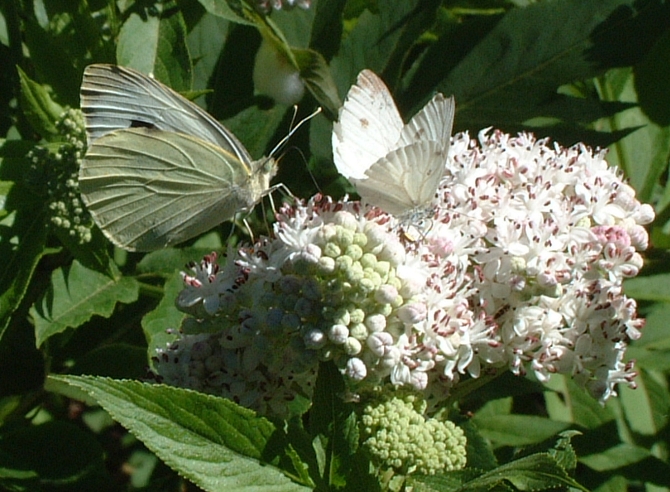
(393, 166)
(159, 169)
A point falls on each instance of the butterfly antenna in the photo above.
(304, 160)
(294, 129)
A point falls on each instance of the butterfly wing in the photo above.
(404, 180)
(114, 98)
(434, 122)
(148, 188)
(368, 126)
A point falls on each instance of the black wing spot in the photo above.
(142, 124)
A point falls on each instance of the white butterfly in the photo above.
(393, 166)
(160, 170)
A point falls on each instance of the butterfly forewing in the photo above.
(114, 98)
(368, 127)
(148, 188)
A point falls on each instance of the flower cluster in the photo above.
(397, 435)
(54, 169)
(520, 267)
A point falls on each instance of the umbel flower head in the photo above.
(397, 435)
(520, 267)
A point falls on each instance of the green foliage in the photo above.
(592, 71)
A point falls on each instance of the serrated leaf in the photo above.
(211, 441)
(564, 453)
(38, 107)
(156, 43)
(76, 294)
(536, 472)
(479, 452)
(93, 254)
(166, 316)
(440, 483)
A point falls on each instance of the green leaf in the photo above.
(156, 43)
(23, 235)
(116, 360)
(518, 430)
(221, 8)
(256, 127)
(643, 169)
(205, 42)
(370, 43)
(536, 472)
(652, 351)
(505, 71)
(75, 295)
(333, 427)
(211, 441)
(564, 453)
(615, 457)
(40, 110)
(652, 82)
(479, 452)
(326, 34)
(51, 453)
(440, 483)
(649, 288)
(647, 406)
(93, 254)
(570, 403)
(315, 74)
(166, 316)
(165, 262)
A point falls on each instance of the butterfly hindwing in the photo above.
(405, 179)
(434, 122)
(149, 188)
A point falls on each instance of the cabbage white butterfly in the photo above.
(393, 166)
(159, 169)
